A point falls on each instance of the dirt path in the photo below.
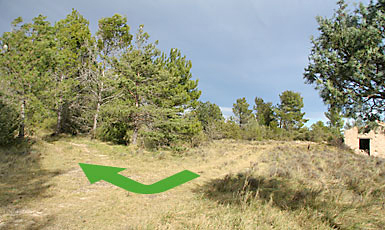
(71, 202)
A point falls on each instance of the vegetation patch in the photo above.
(340, 189)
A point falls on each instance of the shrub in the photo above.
(9, 123)
(231, 130)
(253, 131)
(116, 132)
(214, 130)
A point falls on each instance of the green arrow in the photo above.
(96, 173)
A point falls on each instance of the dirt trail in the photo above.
(71, 202)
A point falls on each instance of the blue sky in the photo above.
(243, 48)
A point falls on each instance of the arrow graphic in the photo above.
(95, 173)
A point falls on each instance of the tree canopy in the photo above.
(114, 82)
(289, 110)
(121, 87)
(242, 112)
(208, 113)
(264, 111)
(347, 60)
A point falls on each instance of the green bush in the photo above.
(214, 130)
(151, 140)
(319, 132)
(231, 130)
(9, 123)
(116, 132)
(303, 134)
(253, 131)
(49, 123)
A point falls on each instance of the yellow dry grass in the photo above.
(43, 187)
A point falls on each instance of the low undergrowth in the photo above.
(321, 186)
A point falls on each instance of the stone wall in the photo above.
(377, 140)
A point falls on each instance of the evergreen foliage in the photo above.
(264, 112)
(242, 112)
(289, 110)
(347, 60)
(208, 113)
(121, 88)
(9, 123)
(62, 71)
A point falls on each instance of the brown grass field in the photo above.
(242, 185)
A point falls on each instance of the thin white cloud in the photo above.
(226, 111)
(313, 117)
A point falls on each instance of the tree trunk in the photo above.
(96, 115)
(95, 120)
(99, 102)
(135, 134)
(136, 118)
(22, 116)
(59, 111)
(59, 119)
(136, 126)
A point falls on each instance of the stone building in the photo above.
(372, 143)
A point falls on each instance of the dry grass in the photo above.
(338, 189)
(243, 185)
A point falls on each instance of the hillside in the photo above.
(242, 185)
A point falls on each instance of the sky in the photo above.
(238, 48)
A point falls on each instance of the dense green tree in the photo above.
(157, 91)
(289, 110)
(334, 116)
(183, 92)
(208, 113)
(73, 38)
(115, 125)
(242, 112)
(264, 112)
(133, 88)
(253, 130)
(9, 122)
(140, 77)
(177, 95)
(347, 61)
(17, 66)
(320, 132)
(231, 129)
(24, 62)
(112, 38)
(211, 118)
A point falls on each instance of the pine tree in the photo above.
(157, 92)
(347, 61)
(264, 112)
(112, 38)
(9, 122)
(73, 38)
(242, 112)
(289, 110)
(24, 64)
(208, 113)
(335, 119)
